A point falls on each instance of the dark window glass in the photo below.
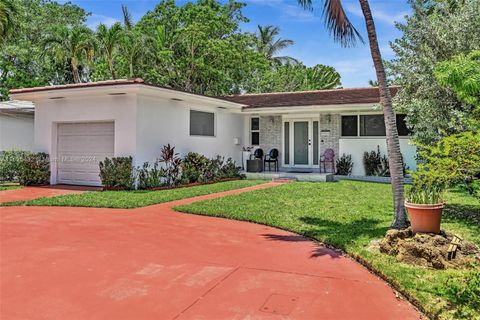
(255, 138)
(372, 125)
(286, 160)
(402, 125)
(349, 126)
(315, 142)
(202, 123)
(255, 123)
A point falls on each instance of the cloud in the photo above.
(378, 14)
(95, 19)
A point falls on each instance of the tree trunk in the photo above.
(76, 74)
(393, 144)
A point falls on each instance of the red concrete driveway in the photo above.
(153, 263)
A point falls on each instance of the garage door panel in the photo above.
(81, 146)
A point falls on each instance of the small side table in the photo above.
(255, 165)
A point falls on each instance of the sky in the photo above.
(312, 43)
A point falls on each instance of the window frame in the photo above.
(214, 123)
(251, 131)
(358, 114)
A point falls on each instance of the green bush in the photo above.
(11, 164)
(464, 293)
(344, 165)
(372, 161)
(117, 173)
(150, 177)
(34, 169)
(229, 169)
(194, 167)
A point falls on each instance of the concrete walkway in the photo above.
(154, 263)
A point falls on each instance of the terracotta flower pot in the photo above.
(425, 218)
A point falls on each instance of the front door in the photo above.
(301, 143)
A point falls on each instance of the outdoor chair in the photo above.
(327, 157)
(272, 157)
(258, 154)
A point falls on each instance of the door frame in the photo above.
(292, 120)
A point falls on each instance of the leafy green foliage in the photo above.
(425, 195)
(35, 169)
(344, 165)
(149, 177)
(172, 170)
(371, 161)
(454, 159)
(7, 18)
(267, 44)
(463, 292)
(117, 173)
(434, 33)
(11, 164)
(195, 166)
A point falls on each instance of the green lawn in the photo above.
(349, 215)
(9, 186)
(134, 199)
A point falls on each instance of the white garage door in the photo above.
(80, 147)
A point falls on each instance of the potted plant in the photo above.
(425, 206)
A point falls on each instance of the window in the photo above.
(402, 125)
(372, 125)
(255, 131)
(202, 123)
(349, 126)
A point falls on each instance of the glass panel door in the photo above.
(300, 143)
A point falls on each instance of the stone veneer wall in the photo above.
(330, 122)
(271, 134)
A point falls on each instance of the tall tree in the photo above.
(7, 16)
(345, 33)
(74, 45)
(108, 43)
(269, 45)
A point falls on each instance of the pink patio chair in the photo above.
(327, 157)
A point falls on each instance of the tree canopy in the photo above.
(198, 47)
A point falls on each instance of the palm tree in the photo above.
(267, 45)
(344, 32)
(75, 45)
(108, 42)
(7, 14)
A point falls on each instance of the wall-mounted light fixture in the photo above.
(57, 98)
(176, 99)
(117, 94)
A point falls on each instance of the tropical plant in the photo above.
(268, 45)
(344, 165)
(7, 18)
(73, 45)
(35, 169)
(345, 33)
(149, 176)
(372, 161)
(117, 173)
(194, 167)
(425, 195)
(11, 164)
(172, 165)
(109, 40)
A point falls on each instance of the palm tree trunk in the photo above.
(76, 74)
(393, 144)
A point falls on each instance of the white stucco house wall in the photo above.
(16, 126)
(81, 124)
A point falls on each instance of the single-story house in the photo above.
(81, 124)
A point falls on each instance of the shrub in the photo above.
(344, 165)
(34, 169)
(149, 177)
(173, 165)
(11, 164)
(371, 161)
(117, 173)
(194, 167)
(464, 293)
(229, 169)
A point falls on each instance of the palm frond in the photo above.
(127, 18)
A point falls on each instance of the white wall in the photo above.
(357, 146)
(121, 109)
(163, 121)
(16, 131)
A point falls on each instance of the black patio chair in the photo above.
(272, 157)
(258, 154)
